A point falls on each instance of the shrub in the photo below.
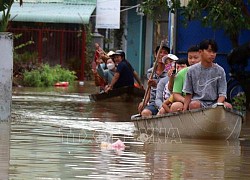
(46, 76)
(239, 103)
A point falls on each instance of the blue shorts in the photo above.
(205, 104)
(152, 108)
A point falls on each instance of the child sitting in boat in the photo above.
(205, 83)
(193, 58)
(167, 93)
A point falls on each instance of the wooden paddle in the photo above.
(152, 74)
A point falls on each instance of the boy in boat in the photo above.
(178, 95)
(170, 66)
(168, 97)
(205, 83)
(160, 72)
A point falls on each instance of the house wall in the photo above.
(194, 33)
(142, 39)
(149, 50)
(142, 36)
(135, 40)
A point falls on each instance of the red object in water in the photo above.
(62, 84)
(136, 85)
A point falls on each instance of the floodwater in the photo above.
(60, 134)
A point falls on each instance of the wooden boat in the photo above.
(210, 123)
(128, 92)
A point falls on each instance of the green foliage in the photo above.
(46, 76)
(231, 16)
(20, 46)
(5, 6)
(89, 52)
(32, 78)
(21, 62)
(25, 57)
(154, 8)
(239, 103)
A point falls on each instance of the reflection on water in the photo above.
(59, 134)
(195, 160)
(4, 149)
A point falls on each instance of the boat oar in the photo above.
(151, 75)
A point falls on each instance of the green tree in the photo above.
(232, 16)
(5, 6)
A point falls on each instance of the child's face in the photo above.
(193, 58)
(180, 66)
(208, 55)
(169, 61)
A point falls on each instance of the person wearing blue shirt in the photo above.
(124, 72)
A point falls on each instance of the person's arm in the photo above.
(166, 107)
(188, 89)
(221, 99)
(100, 70)
(152, 83)
(222, 89)
(187, 101)
(114, 80)
(171, 83)
(178, 97)
(171, 80)
(144, 102)
(159, 92)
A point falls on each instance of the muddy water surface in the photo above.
(61, 134)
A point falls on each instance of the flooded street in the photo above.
(60, 134)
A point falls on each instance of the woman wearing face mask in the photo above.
(108, 73)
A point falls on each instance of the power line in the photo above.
(126, 9)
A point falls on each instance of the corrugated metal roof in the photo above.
(54, 11)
